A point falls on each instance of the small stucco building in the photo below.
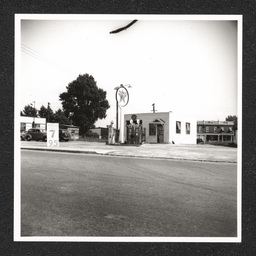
(160, 127)
(26, 123)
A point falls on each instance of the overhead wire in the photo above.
(28, 50)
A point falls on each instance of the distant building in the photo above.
(101, 131)
(215, 131)
(71, 129)
(27, 122)
(159, 127)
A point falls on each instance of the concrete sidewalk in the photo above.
(209, 153)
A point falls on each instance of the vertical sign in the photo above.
(52, 134)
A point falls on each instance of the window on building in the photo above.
(215, 129)
(178, 126)
(187, 128)
(22, 127)
(200, 128)
(152, 130)
(207, 129)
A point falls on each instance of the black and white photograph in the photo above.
(128, 128)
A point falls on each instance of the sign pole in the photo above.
(116, 120)
(123, 94)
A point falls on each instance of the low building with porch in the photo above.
(101, 131)
(159, 127)
(215, 131)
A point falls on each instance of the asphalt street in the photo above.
(68, 194)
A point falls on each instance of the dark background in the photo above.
(11, 7)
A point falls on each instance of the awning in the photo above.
(158, 121)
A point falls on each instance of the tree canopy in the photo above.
(46, 112)
(85, 102)
(234, 119)
(29, 110)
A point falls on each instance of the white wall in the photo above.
(29, 120)
(182, 138)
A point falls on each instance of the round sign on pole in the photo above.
(122, 96)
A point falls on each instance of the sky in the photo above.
(180, 65)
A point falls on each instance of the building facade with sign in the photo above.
(215, 131)
(27, 123)
(160, 127)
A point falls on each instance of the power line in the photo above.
(28, 50)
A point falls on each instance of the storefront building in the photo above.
(161, 127)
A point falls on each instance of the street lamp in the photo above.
(122, 99)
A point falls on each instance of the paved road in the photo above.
(66, 194)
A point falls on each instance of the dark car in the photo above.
(35, 134)
(64, 135)
(199, 141)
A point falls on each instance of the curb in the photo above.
(132, 156)
(61, 150)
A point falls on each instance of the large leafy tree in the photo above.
(29, 110)
(85, 101)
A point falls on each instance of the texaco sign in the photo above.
(122, 96)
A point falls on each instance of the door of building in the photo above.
(160, 133)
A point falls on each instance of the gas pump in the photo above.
(134, 131)
(111, 133)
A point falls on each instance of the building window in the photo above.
(207, 129)
(200, 129)
(178, 126)
(215, 129)
(23, 127)
(152, 130)
(187, 128)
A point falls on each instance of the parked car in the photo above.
(63, 135)
(35, 134)
(199, 141)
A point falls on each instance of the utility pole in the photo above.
(48, 112)
(33, 124)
